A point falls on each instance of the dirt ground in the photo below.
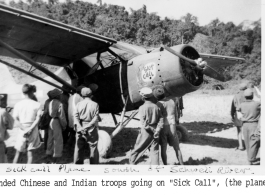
(212, 136)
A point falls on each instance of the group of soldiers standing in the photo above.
(78, 116)
(61, 117)
(158, 118)
(245, 112)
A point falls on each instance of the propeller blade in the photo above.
(216, 66)
(192, 62)
(213, 73)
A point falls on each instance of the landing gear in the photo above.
(182, 133)
(104, 143)
(105, 140)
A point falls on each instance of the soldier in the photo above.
(27, 114)
(169, 132)
(250, 116)
(256, 92)
(86, 119)
(238, 99)
(6, 122)
(57, 125)
(151, 124)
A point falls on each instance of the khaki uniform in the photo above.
(251, 114)
(238, 99)
(151, 119)
(86, 118)
(57, 125)
(168, 134)
(26, 112)
(254, 144)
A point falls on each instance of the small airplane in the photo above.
(119, 69)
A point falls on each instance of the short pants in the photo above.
(30, 143)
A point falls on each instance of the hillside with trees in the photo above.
(149, 30)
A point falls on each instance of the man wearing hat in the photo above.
(238, 99)
(57, 125)
(256, 92)
(86, 117)
(250, 116)
(27, 114)
(6, 122)
(151, 123)
(168, 134)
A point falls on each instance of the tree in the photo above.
(148, 30)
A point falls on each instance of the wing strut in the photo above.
(31, 74)
(36, 65)
(122, 66)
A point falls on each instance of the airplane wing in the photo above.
(47, 41)
(217, 66)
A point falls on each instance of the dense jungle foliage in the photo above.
(149, 30)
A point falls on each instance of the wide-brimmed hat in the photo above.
(248, 92)
(146, 92)
(86, 92)
(54, 93)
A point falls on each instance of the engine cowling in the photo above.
(162, 68)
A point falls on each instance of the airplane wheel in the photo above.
(104, 143)
(179, 135)
(182, 133)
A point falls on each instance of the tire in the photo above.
(104, 143)
(182, 133)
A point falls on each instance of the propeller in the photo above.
(214, 67)
(219, 64)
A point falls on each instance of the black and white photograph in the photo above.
(112, 82)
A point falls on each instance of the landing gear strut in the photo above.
(105, 140)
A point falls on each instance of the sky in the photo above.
(206, 10)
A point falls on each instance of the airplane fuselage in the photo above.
(158, 68)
